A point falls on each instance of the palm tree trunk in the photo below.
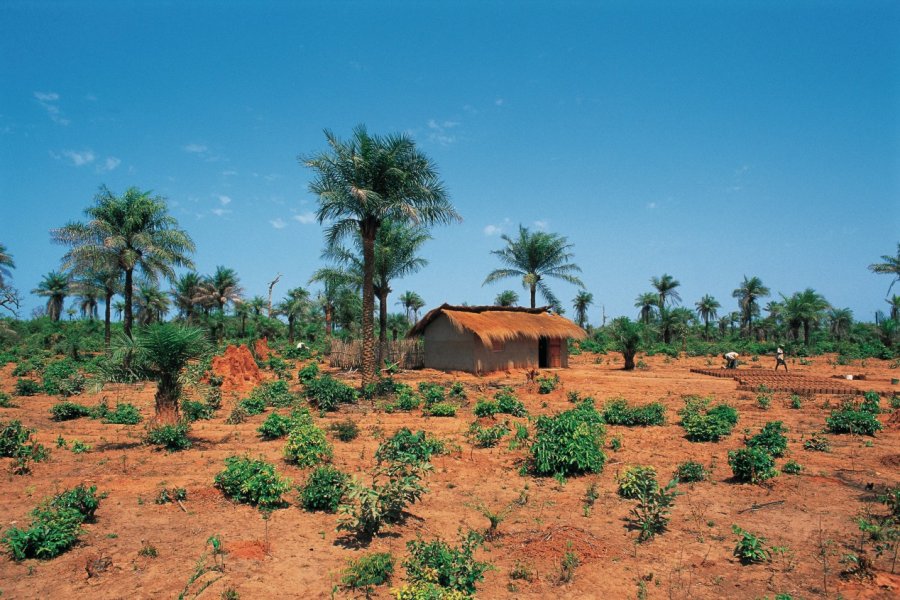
(328, 317)
(167, 394)
(382, 323)
(129, 318)
(806, 332)
(368, 229)
(291, 329)
(533, 290)
(106, 318)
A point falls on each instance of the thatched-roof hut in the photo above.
(481, 339)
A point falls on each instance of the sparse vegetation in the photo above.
(703, 423)
(252, 481)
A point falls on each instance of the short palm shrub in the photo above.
(326, 393)
(651, 515)
(170, 437)
(125, 414)
(569, 443)
(408, 447)
(67, 411)
(750, 548)
(27, 387)
(853, 418)
(275, 426)
(618, 412)
(771, 439)
(252, 481)
(753, 465)
(690, 471)
(707, 424)
(324, 489)
(307, 445)
(368, 571)
(636, 481)
(452, 568)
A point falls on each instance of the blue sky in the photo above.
(707, 140)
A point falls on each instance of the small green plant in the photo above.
(308, 373)
(324, 489)
(326, 393)
(442, 409)
(125, 414)
(346, 430)
(253, 405)
(366, 510)
(171, 437)
(521, 571)
(67, 411)
(485, 408)
(16, 442)
(252, 481)
(196, 411)
(167, 495)
(590, 497)
(368, 571)
(615, 444)
(408, 447)
(452, 568)
(753, 465)
(618, 412)
(431, 393)
(6, 400)
(547, 384)
(508, 404)
(307, 445)
(817, 443)
(854, 419)
(763, 401)
(406, 398)
(750, 548)
(796, 402)
(148, 550)
(79, 447)
(691, 471)
(569, 443)
(651, 515)
(486, 437)
(238, 415)
(791, 467)
(704, 424)
(274, 427)
(230, 593)
(27, 387)
(637, 480)
(457, 390)
(771, 439)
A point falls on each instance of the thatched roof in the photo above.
(503, 323)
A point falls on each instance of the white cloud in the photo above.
(224, 200)
(110, 164)
(46, 96)
(305, 218)
(542, 225)
(492, 230)
(279, 223)
(78, 159)
(196, 148)
(219, 212)
(438, 131)
(48, 101)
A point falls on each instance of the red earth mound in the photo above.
(237, 369)
(262, 349)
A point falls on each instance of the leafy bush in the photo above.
(432, 393)
(486, 437)
(408, 448)
(651, 515)
(16, 442)
(56, 373)
(275, 426)
(439, 563)
(796, 402)
(308, 373)
(791, 467)
(326, 393)
(5, 400)
(691, 471)
(854, 419)
(274, 393)
(125, 414)
(753, 465)
(366, 510)
(457, 391)
(370, 570)
(485, 408)
(817, 443)
(442, 409)
(67, 411)
(253, 405)
(167, 495)
(251, 481)
(406, 398)
(346, 430)
(763, 401)
(569, 443)
(636, 481)
(27, 387)
(871, 403)
(771, 439)
(703, 424)
(617, 412)
(196, 411)
(238, 415)
(324, 489)
(750, 548)
(80, 498)
(306, 444)
(547, 384)
(508, 404)
(422, 590)
(171, 437)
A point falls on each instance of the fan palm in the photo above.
(581, 303)
(217, 291)
(408, 300)
(707, 308)
(362, 182)
(890, 266)
(895, 307)
(747, 294)
(134, 232)
(335, 284)
(185, 292)
(534, 256)
(506, 298)
(627, 336)
(151, 304)
(55, 287)
(397, 323)
(647, 302)
(805, 308)
(292, 307)
(665, 289)
(840, 320)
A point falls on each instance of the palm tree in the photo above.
(627, 337)
(361, 183)
(133, 231)
(707, 308)
(119, 307)
(87, 299)
(417, 305)
(335, 284)
(890, 266)
(533, 256)
(185, 292)
(665, 289)
(6, 263)
(218, 290)
(895, 307)
(55, 287)
(747, 294)
(506, 298)
(293, 306)
(647, 302)
(151, 304)
(840, 320)
(396, 324)
(581, 303)
(408, 300)
(805, 308)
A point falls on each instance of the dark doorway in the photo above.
(542, 353)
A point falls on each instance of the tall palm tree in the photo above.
(55, 287)
(675, 322)
(217, 291)
(707, 308)
(151, 304)
(6, 263)
(87, 299)
(408, 300)
(360, 183)
(890, 266)
(840, 320)
(292, 307)
(665, 289)
(119, 307)
(506, 298)
(747, 294)
(257, 304)
(184, 294)
(805, 308)
(335, 282)
(895, 307)
(581, 303)
(534, 256)
(647, 302)
(396, 324)
(134, 232)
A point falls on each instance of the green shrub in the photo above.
(83, 499)
(307, 445)
(508, 404)
(237, 416)
(308, 373)
(346, 430)
(56, 373)
(457, 391)
(274, 393)
(166, 495)
(431, 393)
(763, 401)
(703, 424)
(171, 437)
(750, 548)
(16, 442)
(618, 412)
(439, 563)
(817, 443)
(366, 510)
(852, 418)
(637, 480)
(442, 409)
(275, 426)
(691, 471)
(796, 402)
(406, 398)
(771, 439)
(569, 443)
(753, 465)
(485, 408)
(326, 393)
(251, 481)
(370, 570)
(125, 414)
(5, 400)
(196, 411)
(27, 387)
(486, 437)
(871, 403)
(67, 411)
(791, 467)
(324, 489)
(79, 447)
(253, 405)
(408, 448)
(547, 384)
(650, 516)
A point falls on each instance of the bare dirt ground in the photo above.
(296, 554)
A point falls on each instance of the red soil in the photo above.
(296, 553)
(262, 349)
(237, 369)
